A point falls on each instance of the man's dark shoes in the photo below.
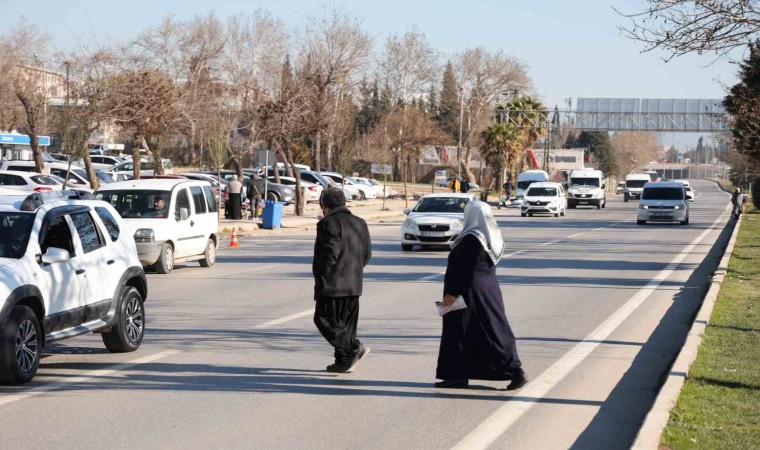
(518, 381)
(361, 352)
(452, 384)
(339, 367)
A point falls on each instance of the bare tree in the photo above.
(22, 49)
(333, 51)
(680, 27)
(487, 78)
(633, 149)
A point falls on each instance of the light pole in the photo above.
(461, 123)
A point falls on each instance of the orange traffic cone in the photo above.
(233, 239)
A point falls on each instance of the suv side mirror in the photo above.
(55, 255)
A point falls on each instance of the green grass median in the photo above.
(719, 406)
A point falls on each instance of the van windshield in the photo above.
(584, 182)
(525, 184)
(138, 203)
(663, 193)
(635, 183)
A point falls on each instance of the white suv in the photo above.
(173, 219)
(68, 266)
(544, 198)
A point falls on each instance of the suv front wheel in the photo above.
(20, 346)
(127, 334)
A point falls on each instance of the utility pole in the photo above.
(461, 123)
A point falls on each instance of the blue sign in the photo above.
(22, 139)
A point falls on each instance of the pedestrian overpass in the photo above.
(629, 114)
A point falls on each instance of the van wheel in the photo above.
(209, 256)
(599, 205)
(604, 203)
(523, 214)
(165, 263)
(20, 346)
(641, 222)
(127, 334)
(685, 222)
(556, 214)
(562, 213)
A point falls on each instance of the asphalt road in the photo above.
(231, 358)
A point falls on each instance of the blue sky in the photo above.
(572, 47)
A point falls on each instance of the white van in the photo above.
(634, 185)
(525, 179)
(586, 187)
(173, 219)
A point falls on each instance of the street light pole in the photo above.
(461, 123)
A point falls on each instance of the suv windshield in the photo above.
(584, 182)
(636, 183)
(663, 193)
(134, 203)
(541, 192)
(441, 205)
(14, 233)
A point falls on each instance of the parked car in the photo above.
(183, 228)
(60, 169)
(435, 220)
(311, 191)
(100, 162)
(364, 191)
(27, 182)
(544, 198)
(663, 201)
(69, 267)
(472, 186)
(620, 187)
(380, 189)
(274, 192)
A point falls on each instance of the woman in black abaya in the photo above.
(477, 342)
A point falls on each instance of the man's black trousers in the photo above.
(336, 319)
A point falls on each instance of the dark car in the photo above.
(275, 192)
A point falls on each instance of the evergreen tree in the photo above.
(600, 149)
(432, 102)
(449, 103)
(571, 141)
(743, 103)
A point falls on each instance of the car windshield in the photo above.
(15, 228)
(44, 179)
(585, 182)
(636, 183)
(132, 204)
(663, 193)
(441, 205)
(542, 192)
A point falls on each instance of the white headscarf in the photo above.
(479, 222)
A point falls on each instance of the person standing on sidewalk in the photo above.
(234, 201)
(464, 185)
(341, 251)
(477, 342)
(254, 198)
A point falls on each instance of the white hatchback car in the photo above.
(68, 266)
(311, 191)
(28, 182)
(174, 219)
(435, 220)
(544, 198)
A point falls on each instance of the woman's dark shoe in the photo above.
(452, 384)
(518, 381)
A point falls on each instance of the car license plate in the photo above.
(433, 233)
(660, 214)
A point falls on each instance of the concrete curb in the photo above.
(304, 223)
(656, 420)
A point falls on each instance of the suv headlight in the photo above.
(457, 226)
(145, 235)
(644, 206)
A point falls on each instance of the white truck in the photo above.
(586, 187)
(634, 185)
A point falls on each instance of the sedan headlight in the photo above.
(457, 226)
(145, 235)
(644, 206)
(409, 223)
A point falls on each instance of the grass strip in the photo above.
(719, 405)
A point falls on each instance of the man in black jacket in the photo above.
(341, 251)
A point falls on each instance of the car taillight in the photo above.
(313, 188)
(41, 189)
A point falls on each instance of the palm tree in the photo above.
(529, 115)
(505, 142)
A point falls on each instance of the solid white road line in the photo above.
(252, 269)
(281, 320)
(499, 422)
(575, 235)
(86, 377)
